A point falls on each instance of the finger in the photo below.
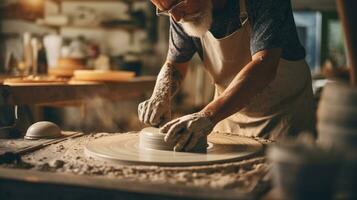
(193, 142)
(173, 131)
(140, 111)
(143, 110)
(166, 117)
(190, 125)
(148, 113)
(177, 137)
(181, 143)
(168, 125)
(155, 117)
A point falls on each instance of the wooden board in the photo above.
(60, 93)
(61, 72)
(102, 75)
(30, 80)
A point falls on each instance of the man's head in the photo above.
(194, 15)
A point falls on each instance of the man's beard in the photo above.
(198, 24)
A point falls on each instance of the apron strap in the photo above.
(243, 12)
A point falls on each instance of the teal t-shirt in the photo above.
(272, 26)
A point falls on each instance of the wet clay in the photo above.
(152, 139)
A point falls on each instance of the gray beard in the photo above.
(198, 25)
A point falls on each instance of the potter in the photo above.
(252, 53)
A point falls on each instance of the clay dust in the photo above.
(69, 157)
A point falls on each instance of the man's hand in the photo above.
(186, 131)
(157, 109)
(154, 112)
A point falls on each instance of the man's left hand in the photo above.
(185, 132)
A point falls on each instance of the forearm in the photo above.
(249, 82)
(169, 80)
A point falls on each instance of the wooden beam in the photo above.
(348, 15)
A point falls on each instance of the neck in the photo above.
(218, 4)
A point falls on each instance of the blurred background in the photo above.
(126, 35)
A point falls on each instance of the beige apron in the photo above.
(284, 108)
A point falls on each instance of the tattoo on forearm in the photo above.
(177, 79)
(168, 82)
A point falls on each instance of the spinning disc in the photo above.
(125, 149)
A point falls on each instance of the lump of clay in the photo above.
(43, 130)
(152, 138)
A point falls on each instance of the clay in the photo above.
(43, 130)
(56, 163)
(152, 138)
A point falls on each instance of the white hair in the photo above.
(198, 24)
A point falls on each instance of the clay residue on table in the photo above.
(69, 157)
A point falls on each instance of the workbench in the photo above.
(61, 93)
(36, 177)
(63, 171)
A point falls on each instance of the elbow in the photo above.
(272, 73)
(267, 70)
(268, 62)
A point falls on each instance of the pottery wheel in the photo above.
(126, 149)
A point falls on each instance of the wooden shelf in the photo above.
(95, 27)
(127, 27)
(125, 1)
(60, 93)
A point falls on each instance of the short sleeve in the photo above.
(268, 22)
(181, 45)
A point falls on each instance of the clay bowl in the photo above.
(337, 137)
(43, 130)
(339, 93)
(303, 173)
(337, 127)
(340, 115)
(337, 117)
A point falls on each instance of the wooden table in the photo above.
(61, 93)
(30, 184)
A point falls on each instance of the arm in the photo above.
(157, 109)
(169, 79)
(186, 131)
(267, 19)
(249, 82)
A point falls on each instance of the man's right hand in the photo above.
(154, 112)
(157, 110)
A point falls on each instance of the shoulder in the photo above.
(255, 6)
(269, 11)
